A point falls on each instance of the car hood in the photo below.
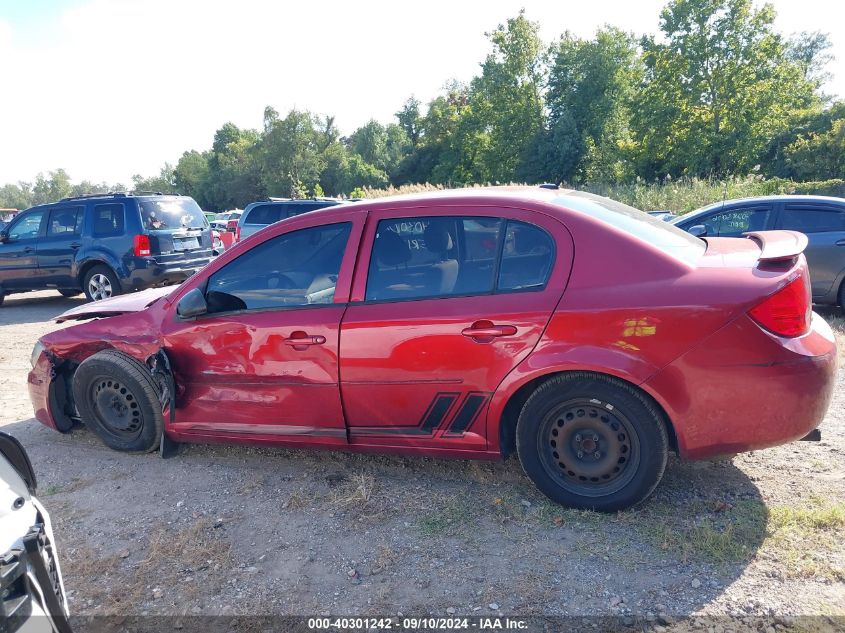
(132, 302)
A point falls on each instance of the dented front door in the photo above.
(262, 363)
(245, 376)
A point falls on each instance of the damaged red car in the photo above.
(576, 332)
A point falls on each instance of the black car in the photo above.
(821, 218)
(104, 244)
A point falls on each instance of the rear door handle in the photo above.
(301, 341)
(486, 329)
(28, 249)
(75, 245)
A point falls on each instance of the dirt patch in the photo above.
(244, 530)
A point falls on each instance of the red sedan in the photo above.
(578, 332)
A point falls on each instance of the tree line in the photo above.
(715, 94)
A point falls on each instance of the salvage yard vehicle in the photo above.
(104, 245)
(32, 594)
(579, 333)
(820, 218)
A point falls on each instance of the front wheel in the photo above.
(118, 399)
(67, 292)
(101, 283)
(593, 442)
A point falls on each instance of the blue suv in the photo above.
(104, 244)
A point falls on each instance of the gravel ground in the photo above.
(235, 530)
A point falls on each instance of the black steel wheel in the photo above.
(117, 398)
(591, 441)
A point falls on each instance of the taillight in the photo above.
(238, 234)
(231, 225)
(787, 312)
(142, 246)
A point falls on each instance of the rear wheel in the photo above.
(101, 283)
(842, 296)
(69, 292)
(2, 297)
(591, 441)
(117, 399)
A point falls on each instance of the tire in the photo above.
(101, 283)
(593, 442)
(2, 297)
(117, 398)
(69, 293)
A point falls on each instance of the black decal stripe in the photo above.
(471, 407)
(431, 420)
(442, 403)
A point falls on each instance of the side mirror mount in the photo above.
(698, 230)
(4, 236)
(15, 454)
(192, 304)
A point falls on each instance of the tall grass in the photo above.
(678, 196)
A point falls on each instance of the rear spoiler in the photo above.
(778, 246)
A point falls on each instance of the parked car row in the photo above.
(107, 244)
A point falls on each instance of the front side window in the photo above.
(66, 221)
(416, 258)
(108, 220)
(291, 270)
(27, 227)
(738, 221)
(812, 220)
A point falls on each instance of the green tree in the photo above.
(716, 91)
(591, 89)
(191, 177)
(505, 109)
(234, 178)
(290, 153)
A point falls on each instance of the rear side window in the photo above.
(428, 257)
(812, 219)
(264, 214)
(735, 222)
(108, 220)
(291, 270)
(171, 213)
(65, 221)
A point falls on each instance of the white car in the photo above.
(32, 593)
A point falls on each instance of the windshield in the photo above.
(172, 213)
(656, 232)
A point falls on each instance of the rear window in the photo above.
(658, 233)
(171, 213)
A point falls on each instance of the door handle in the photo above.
(28, 249)
(487, 329)
(840, 243)
(301, 341)
(75, 245)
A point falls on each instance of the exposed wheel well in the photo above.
(83, 270)
(510, 415)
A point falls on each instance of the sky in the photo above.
(110, 88)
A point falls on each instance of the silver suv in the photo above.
(257, 215)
